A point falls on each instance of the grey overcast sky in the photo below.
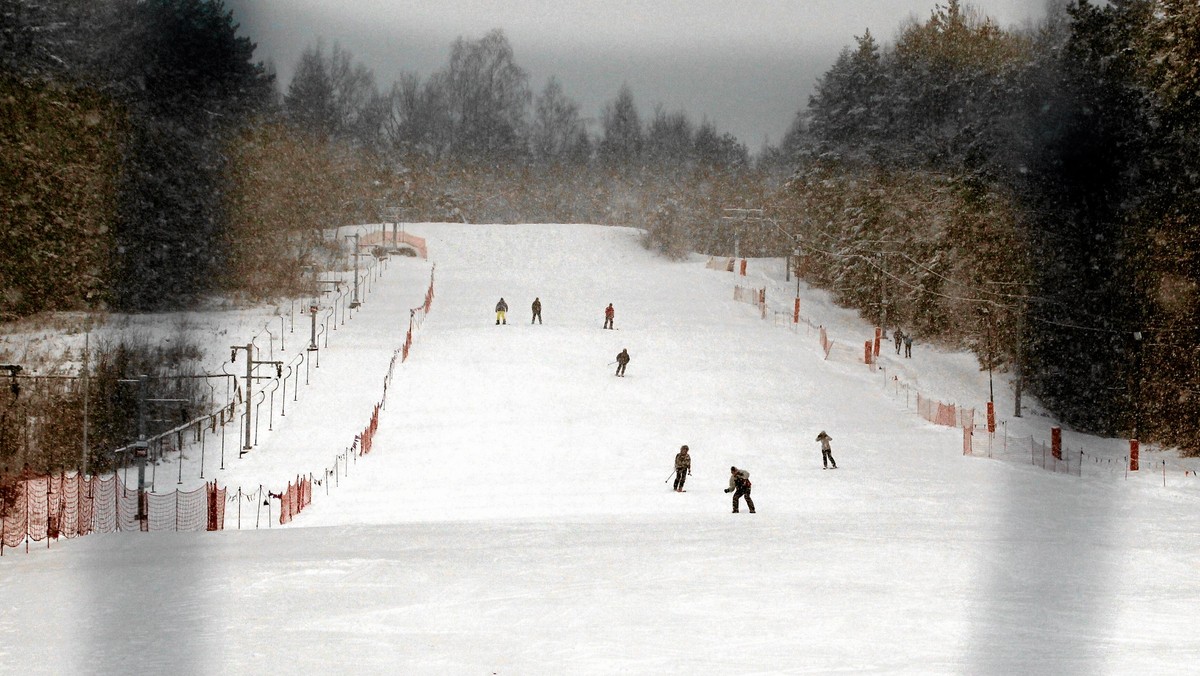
(745, 65)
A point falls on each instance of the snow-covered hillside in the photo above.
(515, 514)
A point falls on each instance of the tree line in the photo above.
(1034, 193)
(1030, 192)
(150, 162)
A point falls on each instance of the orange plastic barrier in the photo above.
(69, 505)
(395, 238)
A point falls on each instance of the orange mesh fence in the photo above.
(216, 507)
(369, 433)
(937, 412)
(396, 238)
(722, 264)
(293, 500)
(66, 506)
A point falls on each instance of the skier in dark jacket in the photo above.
(537, 311)
(826, 451)
(683, 467)
(622, 361)
(501, 308)
(739, 481)
(608, 316)
(907, 346)
(899, 336)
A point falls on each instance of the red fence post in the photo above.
(867, 352)
(743, 267)
(878, 334)
(796, 312)
(1056, 442)
(991, 417)
(1133, 455)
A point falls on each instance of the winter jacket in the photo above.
(608, 312)
(501, 306)
(739, 479)
(623, 357)
(683, 461)
(537, 306)
(824, 439)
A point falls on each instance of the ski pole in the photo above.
(669, 476)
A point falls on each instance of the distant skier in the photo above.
(899, 335)
(907, 346)
(683, 467)
(826, 451)
(608, 316)
(739, 481)
(622, 361)
(537, 311)
(501, 308)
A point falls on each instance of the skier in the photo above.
(501, 308)
(622, 361)
(683, 467)
(739, 480)
(537, 311)
(608, 316)
(826, 451)
(899, 335)
(907, 346)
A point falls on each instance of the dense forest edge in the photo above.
(1031, 193)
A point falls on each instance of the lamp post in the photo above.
(251, 362)
(355, 303)
(15, 389)
(883, 301)
(1137, 384)
(987, 315)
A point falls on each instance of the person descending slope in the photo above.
(501, 308)
(683, 467)
(608, 316)
(622, 361)
(826, 451)
(739, 481)
(537, 311)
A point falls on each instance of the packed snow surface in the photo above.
(515, 515)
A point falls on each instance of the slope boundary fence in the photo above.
(978, 441)
(44, 508)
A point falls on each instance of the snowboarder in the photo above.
(899, 335)
(537, 311)
(739, 480)
(622, 361)
(826, 451)
(683, 467)
(608, 316)
(907, 346)
(501, 308)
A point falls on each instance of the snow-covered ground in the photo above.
(515, 515)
